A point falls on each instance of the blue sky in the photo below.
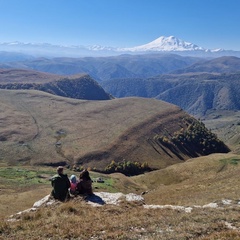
(121, 23)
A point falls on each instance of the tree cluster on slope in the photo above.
(193, 140)
(128, 168)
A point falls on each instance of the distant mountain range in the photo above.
(206, 85)
(195, 93)
(193, 83)
(108, 68)
(217, 65)
(161, 44)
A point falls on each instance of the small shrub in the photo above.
(235, 161)
(128, 168)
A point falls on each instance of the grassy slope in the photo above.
(26, 76)
(32, 122)
(21, 186)
(197, 181)
(79, 86)
(226, 124)
(90, 132)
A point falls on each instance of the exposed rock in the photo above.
(102, 198)
(97, 199)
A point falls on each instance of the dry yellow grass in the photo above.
(88, 126)
(77, 220)
(226, 125)
(196, 181)
(39, 128)
(13, 201)
(26, 76)
(21, 186)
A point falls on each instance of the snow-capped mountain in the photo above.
(166, 44)
(162, 44)
(175, 45)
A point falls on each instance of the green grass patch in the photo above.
(107, 185)
(233, 161)
(10, 176)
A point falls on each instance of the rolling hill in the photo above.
(197, 181)
(226, 124)
(40, 128)
(80, 86)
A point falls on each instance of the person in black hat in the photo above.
(60, 184)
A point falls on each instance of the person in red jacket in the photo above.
(74, 182)
(84, 185)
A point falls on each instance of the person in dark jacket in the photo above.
(60, 184)
(84, 185)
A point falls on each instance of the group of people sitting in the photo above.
(63, 187)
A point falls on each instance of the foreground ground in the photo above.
(78, 220)
(211, 179)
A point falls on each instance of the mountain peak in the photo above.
(170, 43)
(162, 44)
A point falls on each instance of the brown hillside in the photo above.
(80, 86)
(39, 128)
(197, 181)
(226, 124)
(25, 76)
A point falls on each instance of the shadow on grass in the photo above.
(95, 199)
